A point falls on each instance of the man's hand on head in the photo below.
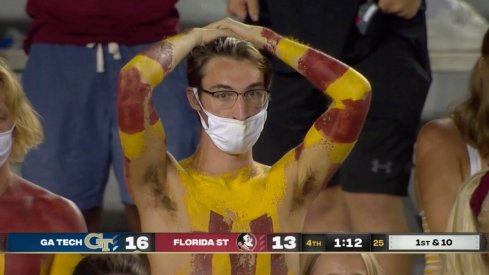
(208, 34)
(406, 9)
(240, 8)
(240, 30)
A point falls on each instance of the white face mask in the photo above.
(5, 145)
(231, 135)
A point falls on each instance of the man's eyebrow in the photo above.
(227, 87)
(255, 85)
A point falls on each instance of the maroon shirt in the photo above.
(127, 22)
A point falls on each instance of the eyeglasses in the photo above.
(226, 98)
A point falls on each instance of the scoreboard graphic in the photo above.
(240, 242)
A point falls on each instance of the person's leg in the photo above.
(374, 180)
(328, 212)
(381, 213)
(73, 161)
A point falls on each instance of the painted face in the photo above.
(339, 264)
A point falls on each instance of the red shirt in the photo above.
(127, 22)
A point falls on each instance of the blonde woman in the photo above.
(470, 213)
(450, 150)
(24, 206)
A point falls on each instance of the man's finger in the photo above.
(253, 9)
(237, 8)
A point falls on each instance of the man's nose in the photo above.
(240, 111)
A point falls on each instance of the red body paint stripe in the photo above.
(130, 101)
(319, 69)
(272, 39)
(243, 264)
(344, 125)
(298, 151)
(264, 225)
(217, 224)
(202, 263)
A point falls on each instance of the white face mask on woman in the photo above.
(231, 135)
(5, 145)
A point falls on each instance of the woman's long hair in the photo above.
(464, 219)
(472, 115)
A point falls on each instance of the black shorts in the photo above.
(381, 160)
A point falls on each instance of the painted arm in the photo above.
(141, 130)
(333, 135)
(331, 138)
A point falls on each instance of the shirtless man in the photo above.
(220, 188)
(24, 206)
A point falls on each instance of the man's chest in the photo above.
(224, 205)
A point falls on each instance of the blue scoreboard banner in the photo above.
(63, 242)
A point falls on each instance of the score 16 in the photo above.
(138, 242)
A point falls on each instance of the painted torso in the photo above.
(250, 200)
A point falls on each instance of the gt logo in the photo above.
(99, 243)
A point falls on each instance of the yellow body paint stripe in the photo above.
(221, 264)
(313, 137)
(263, 264)
(351, 85)
(150, 70)
(290, 51)
(2, 263)
(337, 151)
(133, 144)
(64, 264)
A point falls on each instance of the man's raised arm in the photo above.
(141, 131)
(333, 135)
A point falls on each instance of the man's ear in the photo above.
(192, 100)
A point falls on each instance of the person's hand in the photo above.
(406, 9)
(240, 8)
(240, 30)
(208, 34)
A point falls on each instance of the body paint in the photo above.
(320, 71)
(272, 39)
(343, 125)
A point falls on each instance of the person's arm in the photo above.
(335, 132)
(141, 130)
(438, 173)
